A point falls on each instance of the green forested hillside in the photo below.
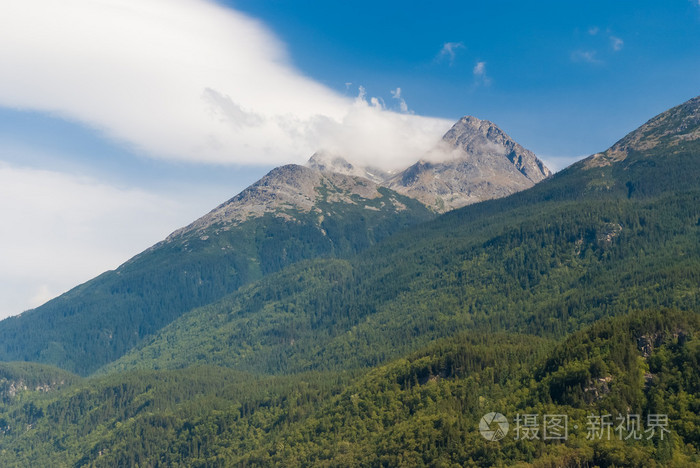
(420, 410)
(97, 322)
(18, 377)
(544, 270)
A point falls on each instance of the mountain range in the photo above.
(340, 315)
(293, 213)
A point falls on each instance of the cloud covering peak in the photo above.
(189, 80)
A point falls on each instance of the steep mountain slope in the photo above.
(545, 271)
(674, 132)
(660, 156)
(291, 214)
(545, 261)
(482, 163)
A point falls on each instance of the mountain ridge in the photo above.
(570, 253)
(283, 188)
(291, 214)
(474, 161)
(667, 131)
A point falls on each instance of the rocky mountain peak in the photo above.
(284, 191)
(470, 126)
(476, 137)
(327, 162)
(475, 161)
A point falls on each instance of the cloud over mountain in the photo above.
(188, 80)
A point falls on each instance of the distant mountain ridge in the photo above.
(330, 209)
(297, 213)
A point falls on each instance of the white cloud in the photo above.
(390, 139)
(396, 94)
(593, 30)
(480, 74)
(60, 230)
(616, 43)
(186, 79)
(449, 51)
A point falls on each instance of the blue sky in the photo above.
(122, 120)
(564, 78)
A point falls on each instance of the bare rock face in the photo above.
(283, 191)
(479, 162)
(474, 161)
(481, 137)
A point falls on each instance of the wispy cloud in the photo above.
(480, 75)
(587, 56)
(396, 94)
(188, 80)
(596, 45)
(616, 43)
(449, 51)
